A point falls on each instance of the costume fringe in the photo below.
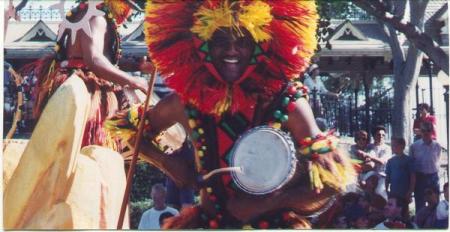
(321, 174)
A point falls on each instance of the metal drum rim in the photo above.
(293, 163)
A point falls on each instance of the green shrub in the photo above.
(136, 211)
(145, 176)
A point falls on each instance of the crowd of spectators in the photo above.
(389, 180)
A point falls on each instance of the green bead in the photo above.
(277, 114)
(323, 150)
(195, 134)
(285, 101)
(217, 206)
(298, 94)
(284, 118)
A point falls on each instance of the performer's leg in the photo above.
(46, 168)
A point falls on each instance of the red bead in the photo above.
(213, 224)
(263, 225)
(314, 156)
(212, 198)
(291, 106)
(82, 5)
(292, 90)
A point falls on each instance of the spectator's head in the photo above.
(313, 70)
(340, 222)
(358, 218)
(349, 200)
(163, 216)
(379, 133)
(424, 110)
(394, 207)
(446, 191)
(364, 202)
(361, 139)
(398, 145)
(159, 196)
(431, 196)
(426, 129)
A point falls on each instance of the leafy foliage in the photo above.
(136, 210)
(336, 9)
(145, 176)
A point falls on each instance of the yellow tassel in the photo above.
(225, 103)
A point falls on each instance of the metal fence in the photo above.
(346, 117)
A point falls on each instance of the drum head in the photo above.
(267, 159)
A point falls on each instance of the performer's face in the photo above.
(230, 53)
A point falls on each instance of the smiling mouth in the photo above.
(231, 60)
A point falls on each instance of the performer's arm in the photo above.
(167, 112)
(301, 124)
(92, 48)
(301, 121)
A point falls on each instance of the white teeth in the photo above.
(231, 61)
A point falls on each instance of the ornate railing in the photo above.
(35, 13)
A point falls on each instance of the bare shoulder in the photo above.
(173, 102)
(98, 21)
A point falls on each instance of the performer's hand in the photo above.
(145, 65)
(140, 84)
(331, 169)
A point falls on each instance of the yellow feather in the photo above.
(254, 18)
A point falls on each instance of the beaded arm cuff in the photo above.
(321, 144)
(332, 170)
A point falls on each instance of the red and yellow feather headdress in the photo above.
(177, 33)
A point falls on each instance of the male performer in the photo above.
(232, 64)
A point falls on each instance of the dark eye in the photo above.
(243, 42)
(222, 43)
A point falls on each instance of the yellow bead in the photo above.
(209, 190)
(319, 144)
(192, 123)
(247, 227)
(69, 14)
(110, 16)
(306, 151)
(276, 125)
(200, 153)
(201, 131)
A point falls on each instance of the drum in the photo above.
(267, 160)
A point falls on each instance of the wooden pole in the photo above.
(137, 146)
